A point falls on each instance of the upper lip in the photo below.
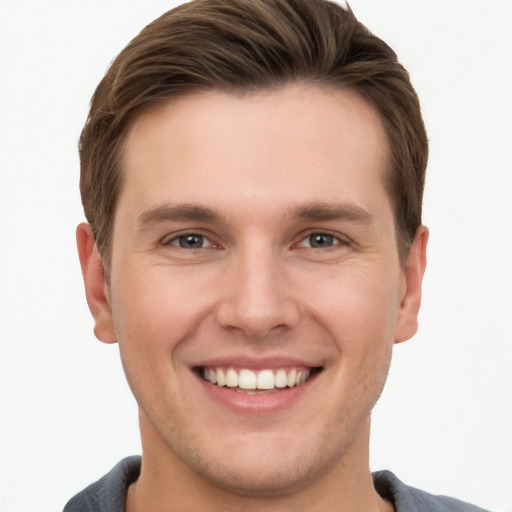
(253, 363)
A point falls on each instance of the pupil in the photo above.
(321, 240)
(191, 241)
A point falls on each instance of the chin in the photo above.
(260, 478)
(266, 466)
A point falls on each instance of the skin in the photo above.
(256, 291)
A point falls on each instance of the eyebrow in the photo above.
(177, 213)
(333, 211)
(198, 213)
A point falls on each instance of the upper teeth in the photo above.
(248, 379)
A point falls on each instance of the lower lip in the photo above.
(262, 403)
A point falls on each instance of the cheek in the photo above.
(156, 303)
(358, 304)
(153, 316)
(359, 309)
(149, 330)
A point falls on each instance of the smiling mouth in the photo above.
(256, 382)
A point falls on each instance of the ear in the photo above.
(407, 322)
(96, 287)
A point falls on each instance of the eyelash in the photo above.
(333, 240)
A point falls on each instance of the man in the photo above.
(252, 176)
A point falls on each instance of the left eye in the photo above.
(191, 241)
(319, 241)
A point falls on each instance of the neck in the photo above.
(168, 484)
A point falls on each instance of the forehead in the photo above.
(298, 143)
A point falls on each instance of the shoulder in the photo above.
(108, 494)
(409, 499)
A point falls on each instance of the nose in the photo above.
(257, 298)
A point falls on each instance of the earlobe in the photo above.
(407, 322)
(96, 288)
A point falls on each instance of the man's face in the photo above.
(254, 242)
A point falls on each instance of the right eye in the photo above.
(190, 241)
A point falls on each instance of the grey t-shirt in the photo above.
(109, 493)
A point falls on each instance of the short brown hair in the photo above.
(242, 46)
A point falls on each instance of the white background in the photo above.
(66, 415)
